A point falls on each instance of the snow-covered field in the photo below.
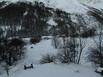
(33, 55)
(54, 70)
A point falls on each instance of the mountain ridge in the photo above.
(71, 6)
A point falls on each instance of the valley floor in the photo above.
(34, 54)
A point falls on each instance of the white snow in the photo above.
(94, 3)
(53, 70)
(72, 6)
(66, 5)
(33, 55)
(25, 13)
(52, 22)
(99, 69)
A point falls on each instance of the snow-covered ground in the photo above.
(33, 55)
(54, 70)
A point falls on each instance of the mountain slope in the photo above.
(68, 5)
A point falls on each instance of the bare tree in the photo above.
(81, 25)
(98, 15)
(81, 47)
(69, 51)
